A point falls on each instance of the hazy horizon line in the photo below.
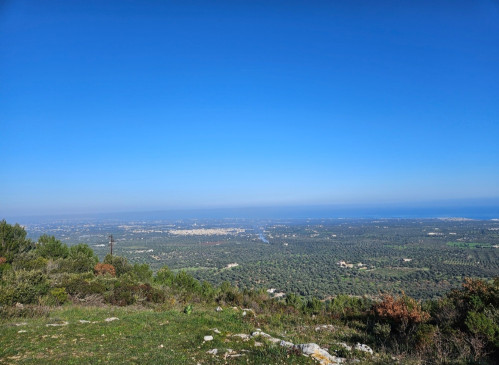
(488, 208)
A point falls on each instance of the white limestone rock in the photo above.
(364, 348)
(57, 324)
(110, 319)
(286, 344)
(345, 346)
(243, 336)
(315, 351)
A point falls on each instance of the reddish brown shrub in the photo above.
(476, 287)
(403, 309)
(3, 260)
(103, 269)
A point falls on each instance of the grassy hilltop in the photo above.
(59, 304)
(139, 335)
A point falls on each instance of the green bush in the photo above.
(120, 264)
(5, 267)
(7, 295)
(229, 294)
(58, 295)
(77, 284)
(480, 324)
(82, 249)
(186, 282)
(151, 294)
(207, 291)
(78, 264)
(472, 312)
(50, 247)
(23, 287)
(101, 284)
(313, 306)
(142, 272)
(29, 261)
(125, 291)
(81, 258)
(294, 300)
(164, 276)
(349, 307)
(13, 241)
(381, 333)
(424, 338)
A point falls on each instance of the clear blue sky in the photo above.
(144, 105)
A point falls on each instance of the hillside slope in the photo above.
(58, 303)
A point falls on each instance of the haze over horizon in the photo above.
(137, 106)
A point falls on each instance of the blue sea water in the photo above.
(481, 210)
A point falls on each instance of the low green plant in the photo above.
(188, 309)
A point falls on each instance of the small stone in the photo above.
(84, 321)
(286, 344)
(345, 346)
(110, 319)
(22, 331)
(57, 324)
(274, 340)
(324, 327)
(208, 338)
(260, 333)
(244, 336)
(212, 351)
(216, 330)
(364, 348)
(244, 313)
(219, 309)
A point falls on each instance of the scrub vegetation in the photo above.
(60, 304)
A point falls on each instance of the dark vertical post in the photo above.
(111, 241)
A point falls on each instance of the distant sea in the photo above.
(353, 212)
(481, 210)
